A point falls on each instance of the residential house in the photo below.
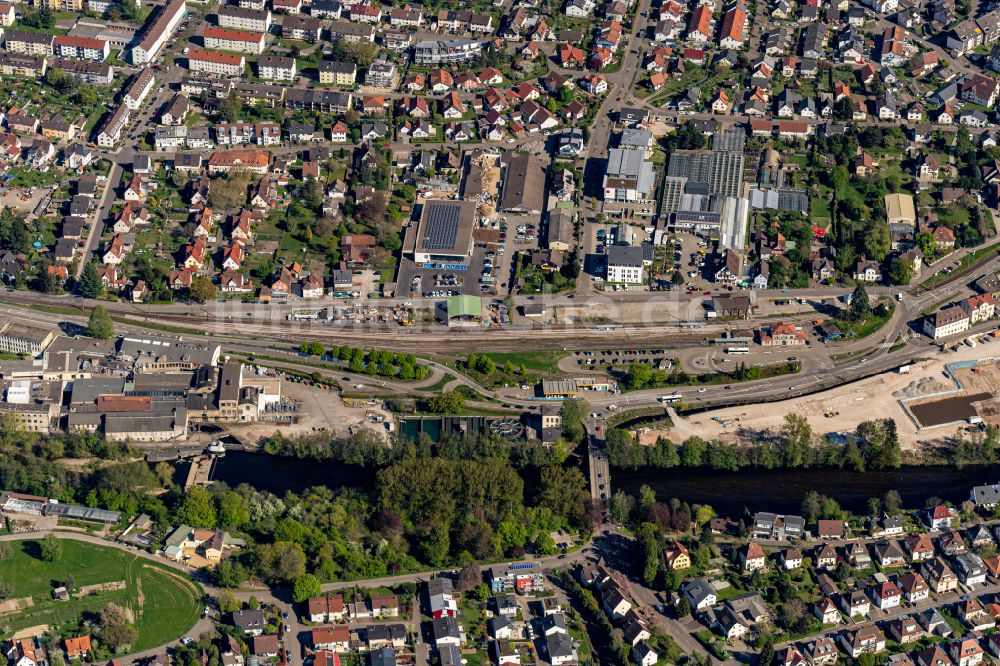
(919, 547)
(752, 557)
(913, 586)
(939, 576)
(866, 639)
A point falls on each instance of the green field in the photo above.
(538, 361)
(163, 603)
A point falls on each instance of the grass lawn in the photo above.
(539, 361)
(956, 625)
(728, 592)
(861, 330)
(473, 659)
(163, 603)
(819, 207)
(441, 383)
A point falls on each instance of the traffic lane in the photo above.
(791, 386)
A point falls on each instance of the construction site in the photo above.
(929, 400)
(971, 398)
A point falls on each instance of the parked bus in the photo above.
(737, 350)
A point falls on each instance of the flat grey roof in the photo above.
(445, 227)
(86, 391)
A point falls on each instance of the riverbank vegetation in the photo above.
(433, 504)
(875, 445)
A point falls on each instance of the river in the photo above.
(781, 491)
(729, 493)
(280, 475)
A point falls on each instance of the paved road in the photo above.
(548, 562)
(101, 216)
(598, 467)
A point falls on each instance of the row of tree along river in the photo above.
(729, 493)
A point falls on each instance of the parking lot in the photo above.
(691, 251)
(618, 359)
(688, 253)
(416, 280)
(488, 271)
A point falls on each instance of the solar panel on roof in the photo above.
(442, 228)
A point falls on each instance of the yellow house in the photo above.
(212, 547)
(61, 5)
(58, 129)
(677, 556)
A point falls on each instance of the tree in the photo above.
(447, 402)
(90, 281)
(100, 324)
(765, 649)
(361, 53)
(114, 629)
(197, 508)
(231, 107)
(811, 506)
(304, 587)
(796, 434)
(281, 561)
(677, 278)
(229, 191)
(876, 241)
(901, 271)
(233, 510)
(572, 420)
(230, 574)
(892, 502)
(50, 548)
(202, 289)
(874, 507)
(860, 308)
(481, 592)
(468, 578)
(563, 492)
(683, 608)
(621, 506)
(227, 601)
(647, 497)
(638, 376)
(926, 243)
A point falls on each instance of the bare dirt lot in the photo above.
(840, 409)
(983, 379)
(319, 409)
(17, 200)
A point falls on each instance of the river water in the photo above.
(781, 491)
(280, 475)
(730, 493)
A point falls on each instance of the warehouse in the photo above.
(443, 233)
(523, 186)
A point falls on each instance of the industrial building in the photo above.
(443, 233)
